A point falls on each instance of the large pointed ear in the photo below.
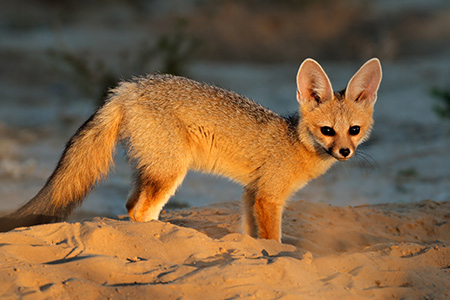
(363, 86)
(313, 85)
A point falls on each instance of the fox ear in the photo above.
(313, 85)
(363, 86)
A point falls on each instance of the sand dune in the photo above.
(394, 251)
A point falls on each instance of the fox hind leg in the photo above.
(151, 193)
(248, 207)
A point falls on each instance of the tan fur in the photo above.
(173, 124)
(89, 157)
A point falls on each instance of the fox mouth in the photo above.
(331, 153)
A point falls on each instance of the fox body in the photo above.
(172, 124)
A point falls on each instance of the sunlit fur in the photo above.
(172, 124)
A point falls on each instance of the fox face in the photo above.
(338, 127)
(335, 123)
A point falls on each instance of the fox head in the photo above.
(335, 123)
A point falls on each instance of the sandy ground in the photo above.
(391, 251)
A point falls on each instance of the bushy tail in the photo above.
(86, 158)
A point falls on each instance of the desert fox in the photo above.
(172, 124)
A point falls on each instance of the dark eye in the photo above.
(328, 131)
(354, 130)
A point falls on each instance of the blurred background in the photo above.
(59, 58)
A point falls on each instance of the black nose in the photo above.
(344, 152)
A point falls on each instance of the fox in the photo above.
(170, 125)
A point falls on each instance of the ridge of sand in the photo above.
(392, 251)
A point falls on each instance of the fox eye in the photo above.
(354, 130)
(328, 131)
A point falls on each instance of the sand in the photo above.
(390, 251)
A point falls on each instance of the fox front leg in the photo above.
(268, 215)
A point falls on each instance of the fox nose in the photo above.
(344, 152)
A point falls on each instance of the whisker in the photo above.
(365, 160)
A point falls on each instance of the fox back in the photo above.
(172, 124)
